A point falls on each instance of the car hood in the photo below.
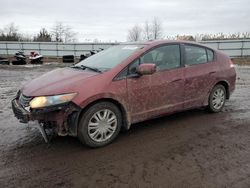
(56, 82)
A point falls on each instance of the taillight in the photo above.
(231, 63)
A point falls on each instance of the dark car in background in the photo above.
(126, 84)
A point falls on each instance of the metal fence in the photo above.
(53, 49)
(233, 48)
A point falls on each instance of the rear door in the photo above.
(199, 74)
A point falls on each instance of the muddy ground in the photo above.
(189, 149)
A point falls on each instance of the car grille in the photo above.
(24, 100)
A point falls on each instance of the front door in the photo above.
(159, 93)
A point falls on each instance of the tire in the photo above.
(217, 98)
(19, 62)
(100, 124)
(4, 62)
(68, 59)
(82, 57)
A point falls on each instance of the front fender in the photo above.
(122, 104)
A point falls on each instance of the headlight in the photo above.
(44, 101)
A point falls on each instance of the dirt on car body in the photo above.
(189, 149)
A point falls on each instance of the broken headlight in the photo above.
(44, 101)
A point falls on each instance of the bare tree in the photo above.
(157, 30)
(69, 34)
(147, 31)
(43, 36)
(96, 40)
(1, 34)
(62, 33)
(223, 36)
(10, 33)
(57, 31)
(153, 30)
(185, 37)
(26, 37)
(11, 29)
(135, 33)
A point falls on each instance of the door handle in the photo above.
(177, 80)
(212, 72)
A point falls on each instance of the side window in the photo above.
(129, 70)
(122, 74)
(195, 55)
(132, 67)
(165, 57)
(210, 55)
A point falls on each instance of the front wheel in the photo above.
(217, 98)
(100, 124)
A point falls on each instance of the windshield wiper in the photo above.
(87, 67)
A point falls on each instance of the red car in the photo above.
(123, 85)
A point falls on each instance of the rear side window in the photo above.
(210, 55)
(195, 55)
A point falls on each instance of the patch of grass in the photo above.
(241, 60)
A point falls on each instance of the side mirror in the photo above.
(146, 69)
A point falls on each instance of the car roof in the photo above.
(150, 42)
(159, 42)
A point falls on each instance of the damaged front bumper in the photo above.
(20, 112)
(62, 119)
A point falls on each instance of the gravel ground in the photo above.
(189, 149)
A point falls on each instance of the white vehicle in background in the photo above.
(35, 58)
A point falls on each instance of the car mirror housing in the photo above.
(146, 69)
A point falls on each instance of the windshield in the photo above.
(111, 57)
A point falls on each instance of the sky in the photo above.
(110, 20)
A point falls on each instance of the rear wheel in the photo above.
(100, 124)
(217, 98)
